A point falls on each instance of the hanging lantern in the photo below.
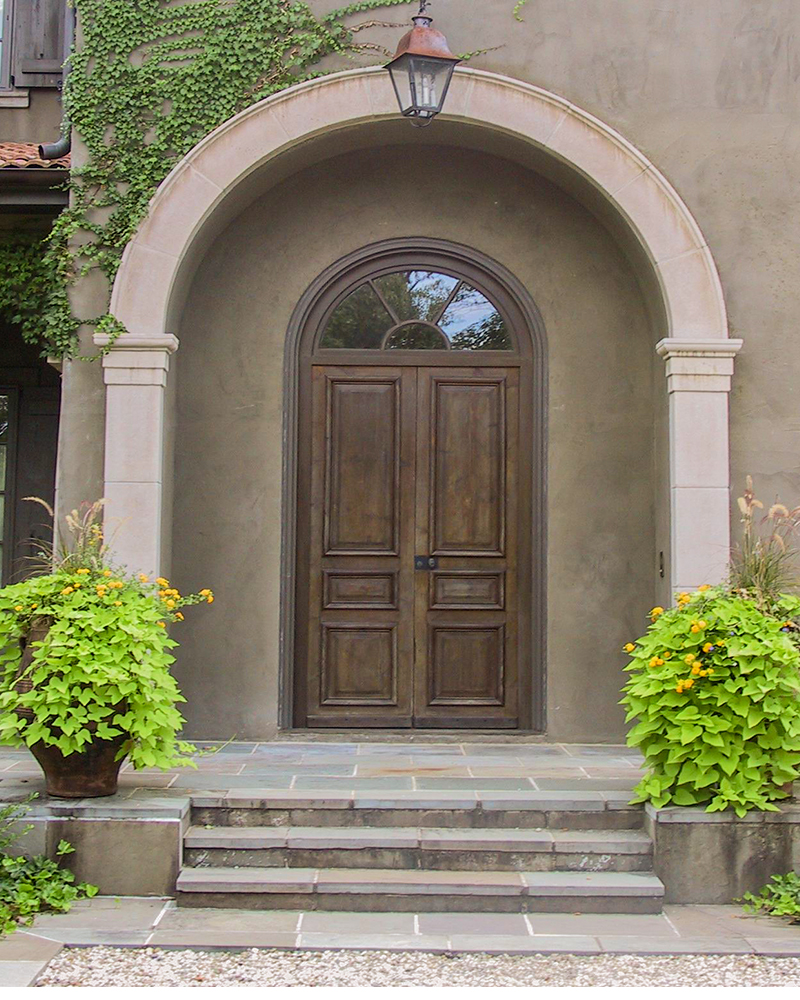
(422, 69)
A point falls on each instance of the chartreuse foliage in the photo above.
(102, 668)
(31, 885)
(714, 686)
(780, 897)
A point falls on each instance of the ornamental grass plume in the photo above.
(764, 564)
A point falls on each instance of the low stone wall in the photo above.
(126, 847)
(716, 857)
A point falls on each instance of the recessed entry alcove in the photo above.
(343, 242)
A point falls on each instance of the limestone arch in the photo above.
(697, 348)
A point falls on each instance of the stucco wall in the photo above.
(710, 92)
(39, 122)
(227, 524)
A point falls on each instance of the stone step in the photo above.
(419, 848)
(555, 810)
(390, 890)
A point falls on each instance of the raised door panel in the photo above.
(362, 471)
(466, 670)
(360, 591)
(468, 464)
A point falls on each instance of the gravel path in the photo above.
(153, 967)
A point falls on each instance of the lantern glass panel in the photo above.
(421, 84)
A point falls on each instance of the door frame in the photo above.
(317, 302)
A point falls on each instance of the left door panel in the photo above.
(361, 526)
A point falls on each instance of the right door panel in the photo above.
(465, 662)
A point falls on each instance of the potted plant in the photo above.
(85, 660)
(715, 680)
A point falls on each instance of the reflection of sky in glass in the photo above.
(468, 309)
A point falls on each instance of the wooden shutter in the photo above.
(38, 42)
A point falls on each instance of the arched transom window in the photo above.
(417, 310)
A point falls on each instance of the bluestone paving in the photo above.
(403, 773)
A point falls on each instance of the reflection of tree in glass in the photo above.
(359, 322)
(416, 294)
(416, 337)
(473, 324)
(3, 417)
(488, 335)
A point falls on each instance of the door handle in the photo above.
(425, 562)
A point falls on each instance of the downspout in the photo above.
(55, 150)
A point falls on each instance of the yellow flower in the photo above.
(144, 578)
(82, 572)
(653, 614)
(210, 599)
(162, 594)
(683, 597)
(34, 607)
(708, 647)
(702, 624)
(710, 671)
(173, 592)
(101, 591)
(18, 607)
(117, 604)
(667, 655)
(107, 572)
(704, 588)
(67, 590)
(655, 661)
(205, 593)
(695, 628)
(689, 658)
(695, 669)
(170, 604)
(179, 616)
(629, 647)
(162, 582)
(679, 688)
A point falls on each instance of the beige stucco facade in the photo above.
(642, 197)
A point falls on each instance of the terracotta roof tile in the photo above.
(25, 156)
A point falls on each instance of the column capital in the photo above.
(138, 361)
(699, 365)
(126, 342)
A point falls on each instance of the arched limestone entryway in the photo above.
(215, 183)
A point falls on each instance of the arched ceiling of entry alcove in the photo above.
(398, 134)
(345, 112)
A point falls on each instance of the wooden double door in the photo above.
(411, 549)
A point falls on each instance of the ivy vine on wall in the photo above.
(150, 79)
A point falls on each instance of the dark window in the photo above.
(417, 310)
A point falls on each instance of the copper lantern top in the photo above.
(424, 40)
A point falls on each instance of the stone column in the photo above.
(699, 381)
(135, 371)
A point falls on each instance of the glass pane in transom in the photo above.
(416, 337)
(472, 323)
(416, 294)
(359, 323)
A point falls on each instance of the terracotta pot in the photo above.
(89, 774)
(86, 775)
